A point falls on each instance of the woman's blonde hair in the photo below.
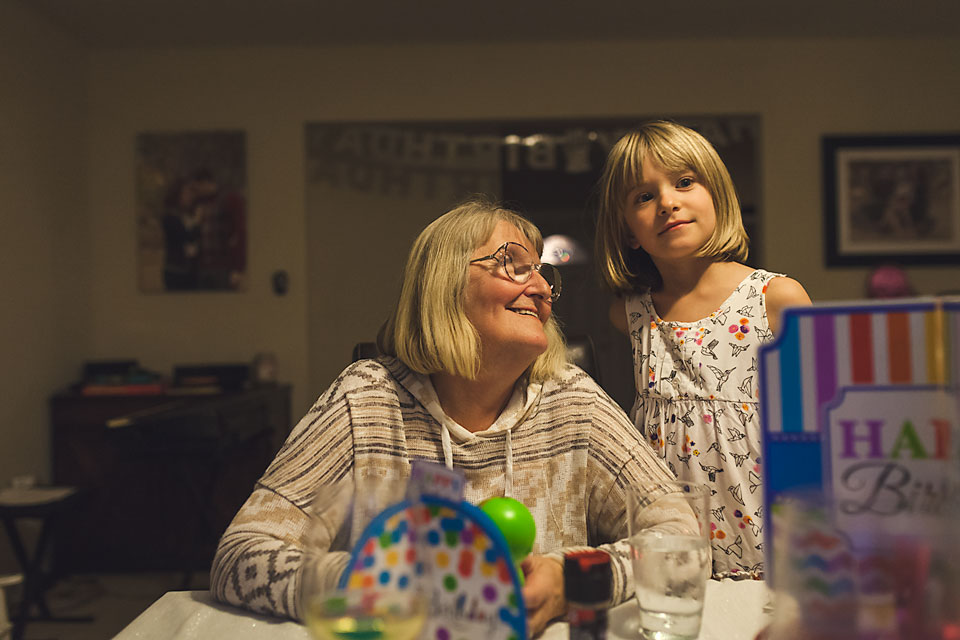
(429, 330)
(674, 148)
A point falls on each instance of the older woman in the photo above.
(475, 378)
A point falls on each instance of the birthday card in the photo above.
(859, 403)
(450, 550)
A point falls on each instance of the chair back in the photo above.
(581, 352)
(365, 351)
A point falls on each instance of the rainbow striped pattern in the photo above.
(823, 349)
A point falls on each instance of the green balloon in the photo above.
(515, 523)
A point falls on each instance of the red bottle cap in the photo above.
(587, 577)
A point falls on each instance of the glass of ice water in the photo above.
(670, 546)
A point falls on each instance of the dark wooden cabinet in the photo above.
(159, 492)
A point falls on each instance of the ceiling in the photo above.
(109, 24)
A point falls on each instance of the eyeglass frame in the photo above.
(500, 255)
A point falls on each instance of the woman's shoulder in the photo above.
(369, 376)
(573, 390)
(575, 400)
(572, 377)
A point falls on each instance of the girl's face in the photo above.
(670, 214)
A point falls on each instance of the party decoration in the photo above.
(515, 523)
(861, 477)
(453, 551)
(857, 395)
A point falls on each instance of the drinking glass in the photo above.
(670, 547)
(391, 606)
(366, 613)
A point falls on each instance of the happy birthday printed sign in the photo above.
(859, 402)
(891, 458)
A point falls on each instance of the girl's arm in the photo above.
(618, 315)
(782, 293)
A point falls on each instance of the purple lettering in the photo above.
(850, 438)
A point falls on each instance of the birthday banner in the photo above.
(859, 401)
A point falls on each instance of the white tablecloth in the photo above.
(732, 611)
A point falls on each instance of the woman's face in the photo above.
(508, 316)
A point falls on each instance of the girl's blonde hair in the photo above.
(674, 148)
(428, 329)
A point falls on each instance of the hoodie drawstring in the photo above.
(508, 480)
(508, 454)
(445, 442)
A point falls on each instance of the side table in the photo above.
(45, 504)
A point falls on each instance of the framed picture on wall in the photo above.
(191, 211)
(892, 199)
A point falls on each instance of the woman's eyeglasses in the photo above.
(519, 266)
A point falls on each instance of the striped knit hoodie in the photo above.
(563, 448)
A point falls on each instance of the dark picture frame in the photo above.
(893, 198)
(191, 211)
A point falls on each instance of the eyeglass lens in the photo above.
(519, 267)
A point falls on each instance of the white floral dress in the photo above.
(697, 406)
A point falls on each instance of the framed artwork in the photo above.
(191, 211)
(892, 199)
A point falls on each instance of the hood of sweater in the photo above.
(522, 401)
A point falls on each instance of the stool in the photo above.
(44, 504)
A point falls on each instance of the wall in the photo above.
(802, 89)
(43, 245)
(70, 120)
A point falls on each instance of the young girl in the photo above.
(670, 241)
